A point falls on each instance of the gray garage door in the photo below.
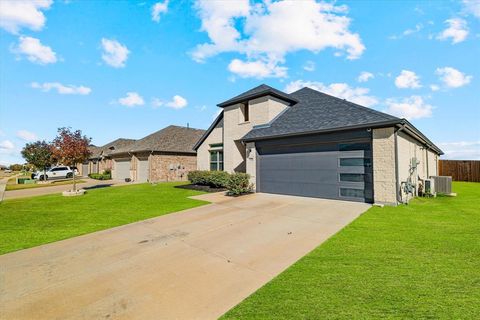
(142, 170)
(85, 169)
(334, 170)
(122, 169)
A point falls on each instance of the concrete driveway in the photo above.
(196, 264)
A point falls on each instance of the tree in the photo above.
(71, 147)
(39, 154)
(16, 167)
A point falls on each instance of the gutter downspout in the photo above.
(397, 185)
(427, 147)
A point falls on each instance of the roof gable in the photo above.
(259, 91)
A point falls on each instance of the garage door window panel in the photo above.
(354, 146)
(355, 162)
(352, 193)
(352, 177)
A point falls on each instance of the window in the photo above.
(216, 160)
(246, 112)
(352, 177)
(352, 193)
(355, 162)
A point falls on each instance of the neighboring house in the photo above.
(308, 143)
(100, 159)
(166, 155)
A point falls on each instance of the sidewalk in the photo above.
(3, 185)
(90, 183)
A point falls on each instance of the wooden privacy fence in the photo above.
(460, 170)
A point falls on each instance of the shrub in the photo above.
(214, 179)
(107, 171)
(218, 179)
(239, 183)
(99, 176)
(198, 177)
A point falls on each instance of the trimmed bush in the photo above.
(214, 179)
(239, 183)
(100, 176)
(198, 177)
(218, 179)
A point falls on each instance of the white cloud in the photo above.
(15, 15)
(434, 87)
(35, 51)
(156, 103)
(114, 53)
(365, 76)
(131, 100)
(408, 32)
(341, 90)
(452, 78)
(461, 150)
(457, 30)
(61, 89)
(177, 102)
(26, 135)
(266, 32)
(407, 79)
(409, 108)
(417, 28)
(472, 7)
(159, 8)
(6, 146)
(309, 66)
(256, 69)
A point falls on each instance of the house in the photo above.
(308, 143)
(100, 159)
(166, 155)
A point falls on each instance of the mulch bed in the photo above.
(200, 188)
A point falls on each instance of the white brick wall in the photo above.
(203, 153)
(262, 111)
(384, 180)
(252, 162)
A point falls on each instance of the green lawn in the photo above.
(420, 261)
(14, 186)
(29, 222)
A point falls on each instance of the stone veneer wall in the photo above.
(384, 166)
(251, 162)
(160, 165)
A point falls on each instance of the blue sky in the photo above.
(127, 68)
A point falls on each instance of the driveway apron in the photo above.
(194, 264)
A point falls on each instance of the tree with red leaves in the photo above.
(71, 147)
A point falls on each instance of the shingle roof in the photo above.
(256, 92)
(169, 139)
(94, 150)
(317, 111)
(118, 144)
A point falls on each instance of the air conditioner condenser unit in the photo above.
(430, 187)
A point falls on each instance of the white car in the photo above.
(59, 172)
